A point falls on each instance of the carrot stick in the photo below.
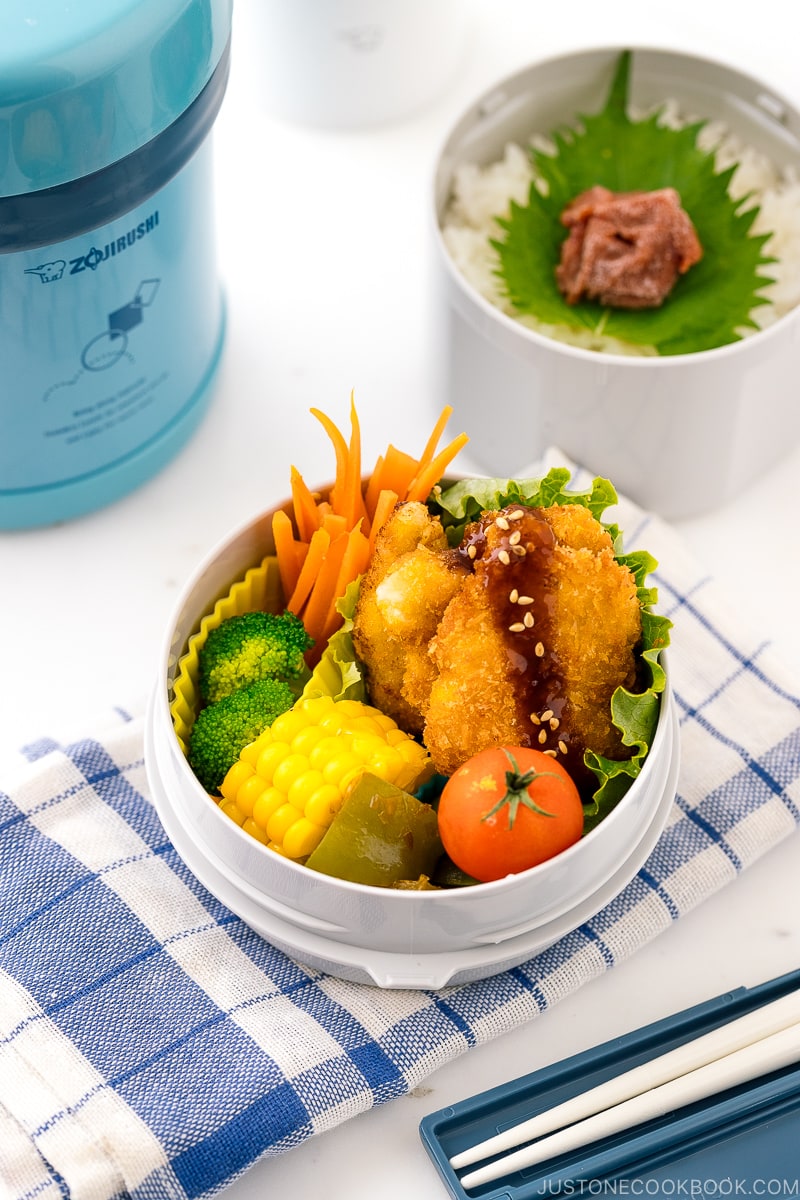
(306, 513)
(373, 488)
(393, 472)
(432, 473)
(354, 563)
(433, 441)
(383, 510)
(300, 552)
(316, 608)
(341, 451)
(400, 470)
(285, 551)
(351, 502)
(334, 524)
(315, 557)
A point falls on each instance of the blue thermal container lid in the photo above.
(84, 83)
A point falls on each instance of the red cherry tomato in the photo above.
(506, 809)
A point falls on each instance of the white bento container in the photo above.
(678, 434)
(395, 939)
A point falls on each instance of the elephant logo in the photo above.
(48, 272)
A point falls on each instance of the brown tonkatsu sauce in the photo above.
(512, 551)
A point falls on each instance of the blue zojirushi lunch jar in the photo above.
(111, 312)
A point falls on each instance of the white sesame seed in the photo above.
(527, 620)
(535, 719)
(504, 556)
(539, 650)
(513, 595)
(517, 627)
(516, 514)
(515, 537)
(542, 736)
(524, 599)
(471, 551)
(554, 722)
(562, 745)
(519, 550)
(547, 714)
(501, 523)
(552, 753)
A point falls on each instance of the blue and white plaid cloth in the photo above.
(151, 1045)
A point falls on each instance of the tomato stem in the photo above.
(517, 785)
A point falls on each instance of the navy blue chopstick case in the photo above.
(744, 1141)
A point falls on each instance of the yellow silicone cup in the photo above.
(259, 591)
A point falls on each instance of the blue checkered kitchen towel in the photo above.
(151, 1045)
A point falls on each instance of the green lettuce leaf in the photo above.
(339, 673)
(464, 501)
(635, 714)
(711, 303)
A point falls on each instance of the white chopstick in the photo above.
(751, 1028)
(768, 1054)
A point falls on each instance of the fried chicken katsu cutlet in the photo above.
(532, 648)
(411, 579)
(518, 637)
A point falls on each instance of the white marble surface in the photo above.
(324, 246)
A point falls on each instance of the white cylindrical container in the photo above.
(391, 937)
(679, 434)
(350, 63)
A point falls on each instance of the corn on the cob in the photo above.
(288, 784)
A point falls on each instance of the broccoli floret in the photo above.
(224, 728)
(256, 645)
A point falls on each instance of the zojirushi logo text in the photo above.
(93, 259)
(49, 272)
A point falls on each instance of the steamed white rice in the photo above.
(481, 194)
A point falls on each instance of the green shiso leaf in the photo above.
(635, 714)
(711, 303)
